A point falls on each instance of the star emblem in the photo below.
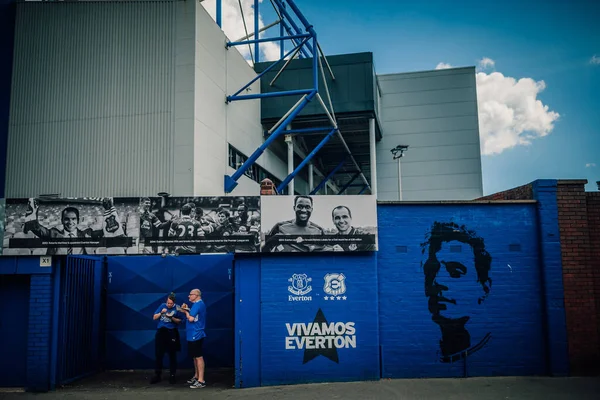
(326, 298)
(311, 354)
(343, 297)
(339, 298)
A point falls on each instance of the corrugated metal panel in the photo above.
(435, 113)
(92, 110)
(7, 30)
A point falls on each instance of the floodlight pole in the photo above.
(400, 179)
(398, 153)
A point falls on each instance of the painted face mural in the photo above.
(456, 283)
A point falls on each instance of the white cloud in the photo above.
(510, 113)
(443, 65)
(486, 62)
(595, 60)
(590, 165)
(233, 26)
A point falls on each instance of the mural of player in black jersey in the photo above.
(298, 227)
(186, 229)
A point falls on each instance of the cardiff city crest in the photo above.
(300, 285)
(335, 284)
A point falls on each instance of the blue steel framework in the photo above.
(305, 45)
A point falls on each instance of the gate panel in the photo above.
(212, 274)
(137, 285)
(14, 289)
(80, 311)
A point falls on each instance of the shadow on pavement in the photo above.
(220, 379)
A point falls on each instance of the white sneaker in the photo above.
(198, 385)
(192, 381)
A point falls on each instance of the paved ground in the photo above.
(134, 385)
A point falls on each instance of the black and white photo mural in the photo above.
(63, 226)
(167, 224)
(319, 223)
(192, 225)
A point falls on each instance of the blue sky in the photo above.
(550, 41)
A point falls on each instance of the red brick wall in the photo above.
(524, 192)
(580, 279)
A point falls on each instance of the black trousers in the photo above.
(166, 341)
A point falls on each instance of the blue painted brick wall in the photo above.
(358, 304)
(544, 191)
(247, 320)
(40, 325)
(512, 313)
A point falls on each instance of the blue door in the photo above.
(137, 285)
(14, 289)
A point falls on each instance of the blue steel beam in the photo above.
(286, 14)
(219, 13)
(306, 160)
(308, 26)
(230, 182)
(272, 39)
(290, 33)
(281, 33)
(329, 176)
(300, 16)
(266, 70)
(347, 185)
(307, 130)
(256, 33)
(315, 64)
(306, 49)
(272, 94)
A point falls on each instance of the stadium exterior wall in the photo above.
(127, 98)
(93, 101)
(435, 114)
(7, 33)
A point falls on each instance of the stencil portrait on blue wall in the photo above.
(457, 281)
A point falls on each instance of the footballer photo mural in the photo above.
(193, 225)
(319, 223)
(63, 226)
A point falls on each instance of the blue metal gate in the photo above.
(137, 285)
(14, 289)
(80, 331)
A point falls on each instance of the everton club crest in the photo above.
(299, 284)
(335, 284)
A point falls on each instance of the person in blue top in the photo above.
(167, 337)
(196, 322)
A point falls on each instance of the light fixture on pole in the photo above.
(398, 153)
